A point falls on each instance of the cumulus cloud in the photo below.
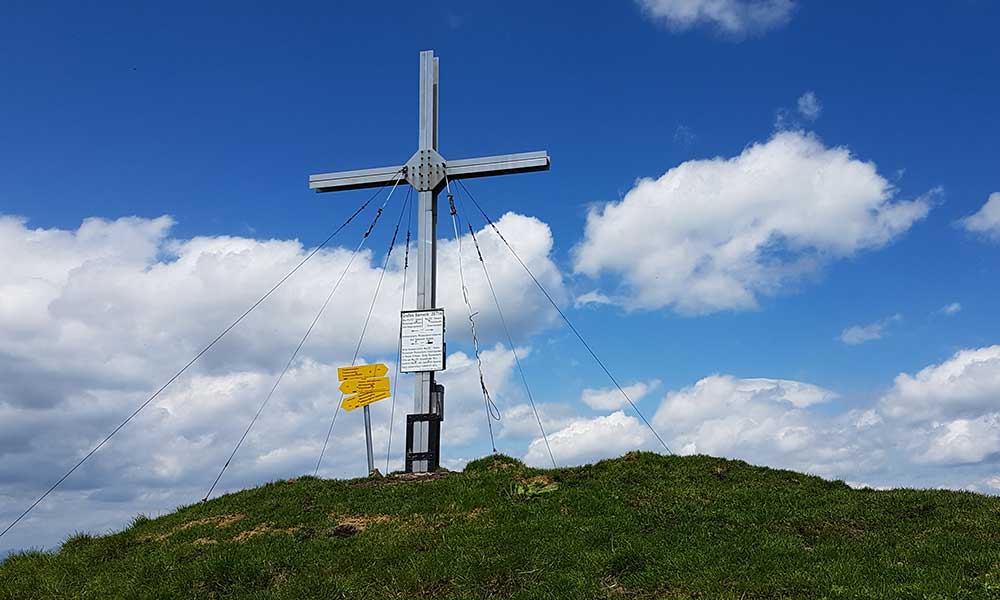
(963, 440)
(939, 427)
(716, 234)
(764, 420)
(986, 221)
(949, 413)
(519, 421)
(612, 398)
(966, 385)
(951, 309)
(586, 440)
(732, 17)
(806, 110)
(592, 297)
(859, 334)
(93, 319)
(809, 105)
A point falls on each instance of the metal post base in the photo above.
(433, 453)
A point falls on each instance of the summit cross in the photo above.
(427, 171)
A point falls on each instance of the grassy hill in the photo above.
(642, 526)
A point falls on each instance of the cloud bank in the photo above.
(986, 221)
(93, 319)
(859, 334)
(717, 234)
(732, 17)
(938, 427)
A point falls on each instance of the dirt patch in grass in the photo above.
(349, 525)
(537, 479)
(263, 529)
(218, 521)
(361, 522)
(400, 478)
(204, 542)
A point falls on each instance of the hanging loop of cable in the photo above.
(569, 323)
(492, 412)
(195, 359)
(510, 342)
(302, 342)
(399, 347)
(364, 328)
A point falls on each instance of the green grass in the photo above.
(642, 526)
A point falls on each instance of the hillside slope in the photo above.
(642, 526)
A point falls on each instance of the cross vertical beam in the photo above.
(426, 241)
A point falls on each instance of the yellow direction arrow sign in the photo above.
(363, 399)
(362, 371)
(353, 386)
(366, 382)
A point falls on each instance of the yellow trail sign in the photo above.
(362, 371)
(367, 382)
(363, 399)
(353, 386)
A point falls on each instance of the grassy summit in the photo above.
(642, 526)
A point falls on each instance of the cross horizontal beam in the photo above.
(355, 180)
(483, 166)
(503, 164)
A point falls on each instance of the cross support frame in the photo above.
(427, 171)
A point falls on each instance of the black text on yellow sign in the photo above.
(367, 383)
(376, 384)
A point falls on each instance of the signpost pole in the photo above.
(368, 440)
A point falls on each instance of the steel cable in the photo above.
(492, 411)
(305, 337)
(364, 328)
(565, 318)
(399, 347)
(192, 361)
(510, 342)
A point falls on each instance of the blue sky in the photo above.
(216, 118)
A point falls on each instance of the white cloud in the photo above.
(465, 408)
(809, 105)
(92, 320)
(807, 109)
(732, 17)
(951, 309)
(592, 297)
(938, 428)
(987, 485)
(766, 421)
(612, 398)
(966, 385)
(715, 234)
(519, 420)
(859, 334)
(949, 413)
(587, 440)
(762, 419)
(963, 441)
(987, 220)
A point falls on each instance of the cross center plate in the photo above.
(425, 170)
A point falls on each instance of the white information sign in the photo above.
(421, 346)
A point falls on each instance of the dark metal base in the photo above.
(433, 453)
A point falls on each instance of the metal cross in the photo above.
(426, 171)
